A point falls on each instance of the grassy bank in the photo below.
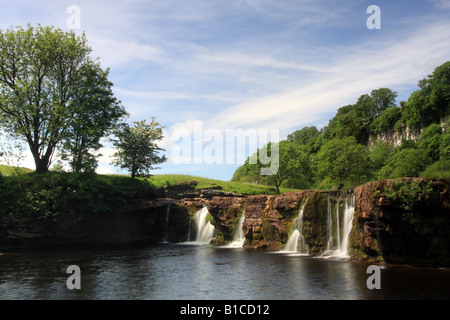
(25, 195)
(167, 180)
(8, 170)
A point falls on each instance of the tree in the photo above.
(137, 150)
(293, 166)
(343, 162)
(407, 162)
(304, 136)
(356, 120)
(383, 99)
(431, 103)
(95, 113)
(430, 140)
(38, 72)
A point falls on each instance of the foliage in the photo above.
(438, 169)
(409, 162)
(379, 156)
(386, 121)
(38, 67)
(95, 113)
(54, 96)
(408, 195)
(46, 196)
(343, 161)
(291, 166)
(308, 136)
(430, 140)
(355, 120)
(137, 149)
(291, 169)
(431, 103)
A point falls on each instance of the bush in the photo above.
(45, 196)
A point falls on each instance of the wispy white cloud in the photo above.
(354, 71)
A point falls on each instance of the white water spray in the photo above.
(166, 236)
(296, 242)
(337, 245)
(239, 237)
(205, 230)
(349, 212)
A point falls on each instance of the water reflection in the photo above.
(192, 272)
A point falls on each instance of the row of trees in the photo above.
(56, 98)
(346, 153)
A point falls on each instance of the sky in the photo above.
(208, 70)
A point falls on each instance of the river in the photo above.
(205, 272)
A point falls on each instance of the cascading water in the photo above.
(239, 237)
(349, 212)
(337, 245)
(166, 234)
(296, 242)
(205, 230)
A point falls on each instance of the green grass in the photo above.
(166, 180)
(227, 186)
(8, 170)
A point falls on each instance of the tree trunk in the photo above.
(42, 164)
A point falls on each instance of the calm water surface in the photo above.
(200, 272)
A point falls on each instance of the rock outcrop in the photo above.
(403, 221)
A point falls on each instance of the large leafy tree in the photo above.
(290, 166)
(355, 120)
(293, 166)
(95, 113)
(38, 71)
(343, 162)
(137, 149)
(431, 103)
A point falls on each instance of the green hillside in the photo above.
(228, 186)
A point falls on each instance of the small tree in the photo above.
(136, 146)
(95, 113)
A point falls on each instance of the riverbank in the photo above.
(393, 221)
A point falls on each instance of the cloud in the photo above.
(442, 4)
(117, 53)
(354, 71)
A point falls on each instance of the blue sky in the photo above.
(248, 64)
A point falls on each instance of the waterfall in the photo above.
(296, 242)
(239, 237)
(205, 230)
(348, 222)
(166, 238)
(189, 230)
(337, 245)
